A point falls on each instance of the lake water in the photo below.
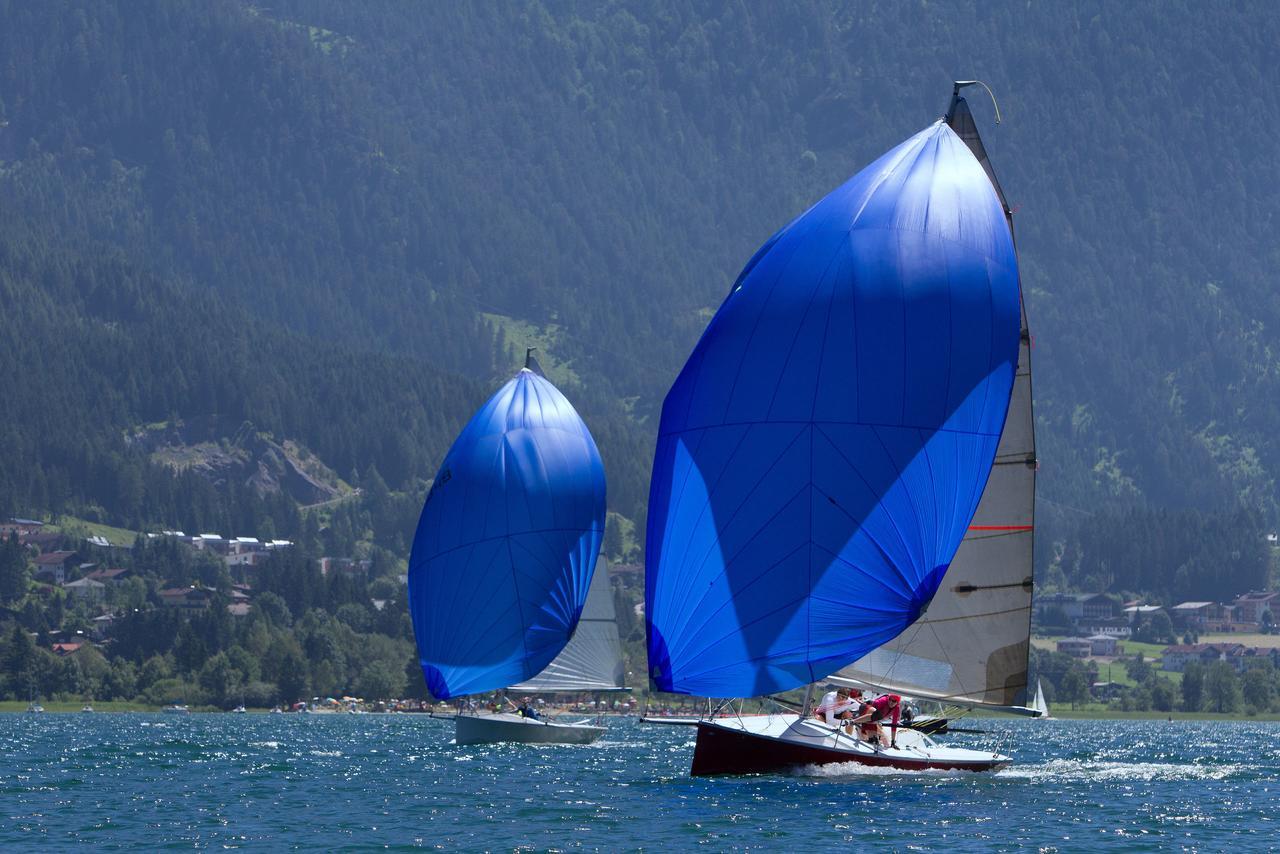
(355, 781)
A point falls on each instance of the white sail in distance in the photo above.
(592, 660)
(970, 646)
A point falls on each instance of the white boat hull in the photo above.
(767, 743)
(503, 727)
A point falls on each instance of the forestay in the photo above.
(592, 660)
(507, 541)
(824, 449)
(971, 645)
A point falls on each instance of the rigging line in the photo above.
(898, 655)
(1064, 506)
(946, 655)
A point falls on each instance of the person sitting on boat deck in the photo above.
(837, 705)
(526, 710)
(877, 710)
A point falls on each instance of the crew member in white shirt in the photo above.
(838, 705)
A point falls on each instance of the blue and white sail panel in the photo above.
(823, 450)
(507, 542)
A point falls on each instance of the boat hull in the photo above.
(760, 747)
(492, 729)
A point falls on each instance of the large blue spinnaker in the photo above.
(824, 449)
(507, 542)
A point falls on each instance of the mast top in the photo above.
(955, 97)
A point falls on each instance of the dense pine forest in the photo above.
(335, 227)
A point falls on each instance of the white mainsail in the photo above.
(970, 646)
(592, 660)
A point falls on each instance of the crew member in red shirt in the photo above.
(887, 705)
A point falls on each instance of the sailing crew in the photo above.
(526, 709)
(872, 713)
(837, 705)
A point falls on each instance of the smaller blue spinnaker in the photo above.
(507, 542)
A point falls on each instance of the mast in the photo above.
(971, 645)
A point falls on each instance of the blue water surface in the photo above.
(398, 781)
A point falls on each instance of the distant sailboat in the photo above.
(590, 662)
(1038, 704)
(504, 556)
(827, 449)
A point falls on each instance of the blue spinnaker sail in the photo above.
(823, 450)
(507, 542)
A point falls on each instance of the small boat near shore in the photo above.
(504, 588)
(176, 709)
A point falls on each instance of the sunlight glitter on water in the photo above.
(269, 780)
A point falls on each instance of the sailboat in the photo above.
(590, 662)
(835, 468)
(504, 557)
(1038, 704)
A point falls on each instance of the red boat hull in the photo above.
(723, 751)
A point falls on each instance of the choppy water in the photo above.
(263, 781)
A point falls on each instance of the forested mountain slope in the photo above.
(413, 196)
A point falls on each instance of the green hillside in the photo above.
(341, 222)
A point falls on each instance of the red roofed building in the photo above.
(1176, 658)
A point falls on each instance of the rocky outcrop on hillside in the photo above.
(240, 455)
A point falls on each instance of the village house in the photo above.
(86, 590)
(1176, 658)
(1251, 606)
(187, 598)
(21, 527)
(1103, 645)
(210, 543)
(67, 648)
(1076, 647)
(1078, 606)
(111, 577)
(55, 567)
(1193, 615)
(1136, 613)
(101, 626)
